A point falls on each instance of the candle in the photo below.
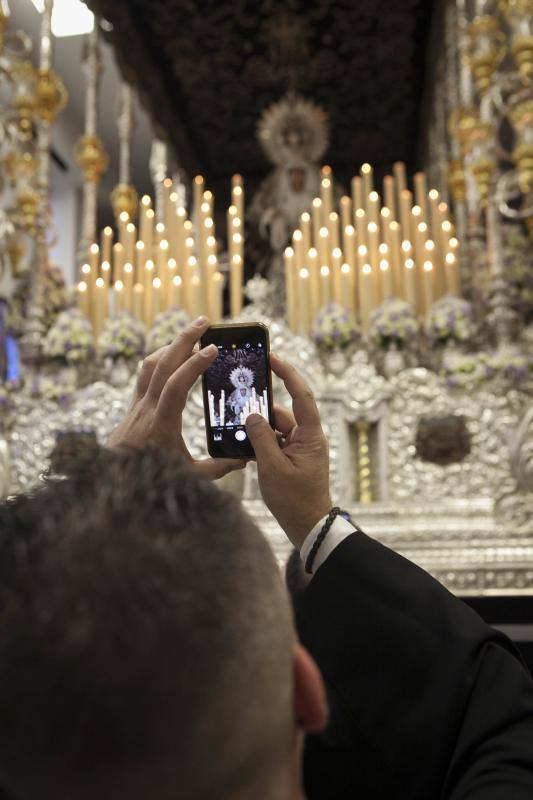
(316, 218)
(191, 269)
(100, 306)
(118, 261)
(368, 180)
(400, 176)
(155, 304)
(237, 195)
(305, 227)
(388, 194)
(428, 284)
(348, 245)
(162, 259)
(105, 273)
(107, 243)
(128, 286)
(373, 204)
(140, 260)
(410, 283)
(171, 273)
(366, 295)
(325, 286)
(333, 227)
(297, 245)
(118, 296)
(218, 294)
(346, 211)
(406, 201)
(326, 192)
(357, 193)
(175, 293)
(361, 225)
(346, 284)
(82, 298)
(336, 264)
(196, 296)
(304, 302)
(395, 257)
(235, 285)
(147, 232)
(138, 302)
(420, 184)
(314, 279)
(385, 283)
(94, 259)
(323, 246)
(197, 192)
(290, 288)
(451, 268)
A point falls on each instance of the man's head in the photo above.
(146, 648)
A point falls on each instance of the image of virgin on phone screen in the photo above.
(237, 384)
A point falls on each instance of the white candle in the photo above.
(304, 302)
(82, 298)
(325, 285)
(366, 294)
(175, 292)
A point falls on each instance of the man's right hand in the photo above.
(294, 472)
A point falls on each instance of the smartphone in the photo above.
(237, 384)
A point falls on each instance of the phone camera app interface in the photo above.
(236, 387)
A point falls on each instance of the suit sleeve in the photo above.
(428, 701)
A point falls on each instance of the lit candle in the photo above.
(155, 300)
(324, 246)
(235, 285)
(336, 264)
(128, 286)
(421, 190)
(350, 255)
(410, 283)
(386, 283)
(451, 268)
(396, 257)
(198, 195)
(368, 180)
(196, 296)
(373, 204)
(107, 243)
(366, 295)
(388, 194)
(297, 245)
(94, 259)
(400, 176)
(304, 302)
(428, 284)
(314, 279)
(162, 260)
(100, 306)
(129, 243)
(290, 288)
(218, 287)
(361, 226)
(171, 273)
(175, 294)
(118, 296)
(406, 202)
(346, 283)
(237, 195)
(346, 211)
(305, 227)
(105, 273)
(118, 261)
(316, 219)
(140, 260)
(326, 192)
(357, 193)
(82, 297)
(138, 302)
(325, 285)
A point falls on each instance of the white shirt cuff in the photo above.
(340, 529)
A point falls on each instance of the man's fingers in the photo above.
(215, 468)
(283, 420)
(175, 355)
(264, 441)
(174, 395)
(303, 400)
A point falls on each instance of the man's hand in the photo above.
(165, 380)
(293, 466)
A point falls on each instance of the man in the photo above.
(146, 647)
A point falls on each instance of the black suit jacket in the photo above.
(427, 701)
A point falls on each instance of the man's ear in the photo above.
(310, 703)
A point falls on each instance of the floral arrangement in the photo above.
(513, 367)
(70, 339)
(450, 319)
(333, 327)
(465, 370)
(167, 325)
(122, 337)
(392, 323)
(58, 388)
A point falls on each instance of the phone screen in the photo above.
(237, 384)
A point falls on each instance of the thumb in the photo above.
(263, 439)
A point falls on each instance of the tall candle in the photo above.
(420, 184)
(333, 226)
(409, 281)
(388, 194)
(385, 279)
(82, 298)
(324, 247)
(128, 286)
(237, 195)
(304, 300)
(314, 279)
(118, 261)
(367, 175)
(396, 257)
(138, 302)
(290, 288)
(198, 194)
(451, 268)
(118, 296)
(171, 273)
(428, 284)
(361, 226)
(196, 296)
(406, 202)
(100, 306)
(346, 285)
(235, 285)
(105, 273)
(175, 292)
(129, 242)
(336, 264)
(107, 243)
(373, 250)
(140, 260)
(366, 295)
(325, 286)
(373, 205)
(346, 211)
(307, 232)
(297, 245)
(156, 300)
(218, 288)
(316, 219)
(400, 177)
(94, 259)
(357, 193)
(326, 192)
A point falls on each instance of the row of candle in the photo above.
(171, 263)
(368, 252)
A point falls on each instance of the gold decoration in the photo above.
(457, 180)
(364, 466)
(15, 250)
(486, 51)
(124, 198)
(483, 170)
(27, 210)
(91, 157)
(20, 166)
(23, 102)
(51, 95)
(461, 123)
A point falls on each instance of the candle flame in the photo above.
(146, 201)
(177, 280)
(297, 235)
(124, 216)
(212, 260)
(394, 226)
(360, 213)
(237, 259)
(237, 191)
(150, 214)
(333, 217)
(366, 168)
(305, 217)
(167, 183)
(100, 283)
(324, 271)
(130, 227)
(139, 245)
(304, 272)
(383, 248)
(349, 230)
(317, 202)
(149, 265)
(94, 249)
(189, 241)
(416, 211)
(180, 212)
(384, 265)
(160, 227)
(362, 250)
(82, 286)
(446, 226)
(172, 263)
(312, 252)
(433, 194)
(163, 244)
(199, 179)
(205, 207)
(211, 241)
(326, 183)
(429, 245)
(373, 197)
(119, 286)
(345, 269)
(156, 283)
(385, 212)
(409, 263)
(450, 258)
(372, 227)
(187, 225)
(428, 266)
(108, 231)
(173, 197)
(86, 269)
(406, 245)
(422, 227)
(289, 252)
(105, 266)
(336, 252)
(323, 233)
(237, 238)
(443, 207)
(366, 269)
(128, 267)
(191, 261)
